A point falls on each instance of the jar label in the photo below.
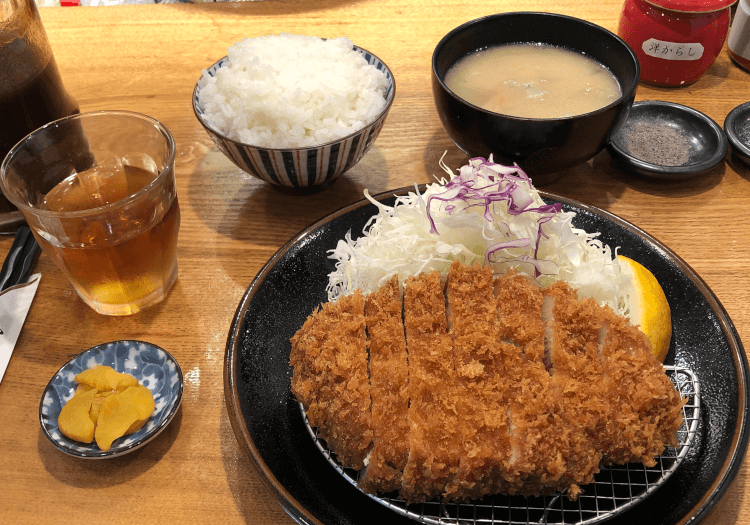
(672, 50)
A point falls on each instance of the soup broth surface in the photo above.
(533, 81)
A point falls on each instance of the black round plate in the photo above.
(269, 427)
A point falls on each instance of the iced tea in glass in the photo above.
(98, 191)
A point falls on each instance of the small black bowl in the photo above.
(737, 127)
(707, 142)
(538, 146)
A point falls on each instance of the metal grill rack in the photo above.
(614, 489)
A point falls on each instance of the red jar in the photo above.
(676, 41)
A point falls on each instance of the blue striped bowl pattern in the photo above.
(306, 168)
(152, 366)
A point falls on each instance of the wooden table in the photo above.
(147, 58)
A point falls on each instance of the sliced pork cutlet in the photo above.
(330, 379)
(482, 389)
(519, 311)
(649, 409)
(389, 382)
(434, 438)
(540, 440)
(572, 342)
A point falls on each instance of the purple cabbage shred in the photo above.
(473, 187)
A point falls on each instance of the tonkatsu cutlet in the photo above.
(389, 382)
(434, 439)
(513, 389)
(648, 412)
(541, 444)
(571, 344)
(519, 312)
(330, 379)
(482, 399)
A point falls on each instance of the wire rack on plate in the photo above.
(614, 489)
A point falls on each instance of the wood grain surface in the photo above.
(147, 58)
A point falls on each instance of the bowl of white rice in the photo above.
(295, 111)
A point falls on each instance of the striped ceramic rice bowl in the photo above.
(301, 170)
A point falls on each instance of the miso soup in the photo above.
(533, 81)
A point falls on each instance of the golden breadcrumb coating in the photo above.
(434, 438)
(482, 400)
(648, 412)
(543, 443)
(389, 382)
(519, 311)
(571, 342)
(330, 379)
(510, 388)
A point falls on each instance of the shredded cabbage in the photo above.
(486, 214)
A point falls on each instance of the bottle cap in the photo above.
(692, 6)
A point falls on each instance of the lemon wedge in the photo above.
(649, 309)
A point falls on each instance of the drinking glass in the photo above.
(98, 191)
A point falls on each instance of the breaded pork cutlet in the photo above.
(648, 408)
(540, 445)
(482, 401)
(519, 312)
(527, 391)
(330, 379)
(389, 383)
(434, 439)
(572, 344)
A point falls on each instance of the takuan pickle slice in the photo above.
(74, 421)
(120, 412)
(102, 391)
(105, 378)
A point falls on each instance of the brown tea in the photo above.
(127, 260)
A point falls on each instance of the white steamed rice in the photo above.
(289, 91)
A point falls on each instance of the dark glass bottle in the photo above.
(31, 90)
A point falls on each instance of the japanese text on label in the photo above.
(672, 50)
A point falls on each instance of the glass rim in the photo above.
(170, 160)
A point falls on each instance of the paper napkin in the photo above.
(14, 305)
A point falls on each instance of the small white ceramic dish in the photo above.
(154, 368)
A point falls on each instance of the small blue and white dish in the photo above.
(152, 366)
(300, 171)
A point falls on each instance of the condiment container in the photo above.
(675, 41)
(739, 35)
